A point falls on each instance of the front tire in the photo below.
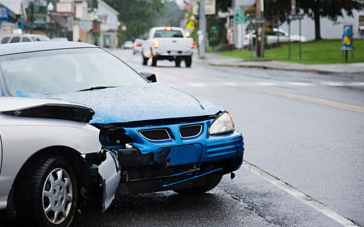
(48, 195)
(154, 61)
(145, 60)
(178, 62)
(210, 182)
(188, 61)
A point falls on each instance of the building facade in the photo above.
(91, 21)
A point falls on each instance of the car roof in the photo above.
(163, 28)
(25, 34)
(18, 48)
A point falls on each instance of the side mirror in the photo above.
(151, 77)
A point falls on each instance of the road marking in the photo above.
(333, 83)
(306, 98)
(300, 84)
(230, 84)
(299, 195)
(279, 84)
(197, 85)
(263, 83)
(355, 84)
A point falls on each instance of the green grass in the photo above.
(314, 52)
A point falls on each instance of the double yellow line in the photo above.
(306, 98)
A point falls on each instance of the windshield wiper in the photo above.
(96, 88)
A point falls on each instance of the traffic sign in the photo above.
(239, 16)
(296, 17)
(4, 13)
(258, 21)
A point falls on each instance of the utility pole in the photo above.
(259, 28)
(202, 32)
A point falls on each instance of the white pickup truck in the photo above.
(168, 43)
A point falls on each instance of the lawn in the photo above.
(313, 52)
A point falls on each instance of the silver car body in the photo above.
(22, 137)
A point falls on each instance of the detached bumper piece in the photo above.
(157, 177)
(109, 173)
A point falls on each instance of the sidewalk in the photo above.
(219, 60)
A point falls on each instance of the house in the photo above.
(109, 24)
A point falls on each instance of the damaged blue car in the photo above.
(163, 138)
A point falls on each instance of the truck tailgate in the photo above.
(174, 44)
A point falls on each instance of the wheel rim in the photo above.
(57, 196)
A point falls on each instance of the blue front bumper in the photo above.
(151, 165)
(199, 149)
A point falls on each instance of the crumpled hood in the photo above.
(138, 103)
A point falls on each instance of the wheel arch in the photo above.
(77, 162)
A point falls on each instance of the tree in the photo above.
(223, 5)
(137, 15)
(173, 15)
(315, 9)
(328, 8)
(216, 26)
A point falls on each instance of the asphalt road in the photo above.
(303, 132)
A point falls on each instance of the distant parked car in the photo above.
(274, 36)
(128, 45)
(24, 38)
(137, 46)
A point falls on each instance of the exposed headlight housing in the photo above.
(222, 124)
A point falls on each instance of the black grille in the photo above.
(190, 131)
(155, 134)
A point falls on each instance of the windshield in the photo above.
(65, 71)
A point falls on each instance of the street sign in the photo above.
(296, 17)
(64, 7)
(239, 16)
(210, 7)
(258, 21)
(293, 7)
(4, 13)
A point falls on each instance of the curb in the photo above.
(276, 68)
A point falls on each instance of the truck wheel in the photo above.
(48, 195)
(178, 62)
(188, 61)
(210, 183)
(145, 60)
(154, 61)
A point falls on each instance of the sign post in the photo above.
(298, 17)
(202, 31)
(239, 21)
(347, 41)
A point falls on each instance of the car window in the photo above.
(43, 38)
(282, 34)
(26, 39)
(5, 39)
(15, 39)
(36, 39)
(168, 34)
(65, 71)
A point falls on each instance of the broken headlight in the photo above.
(222, 124)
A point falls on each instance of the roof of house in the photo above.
(108, 7)
(13, 5)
